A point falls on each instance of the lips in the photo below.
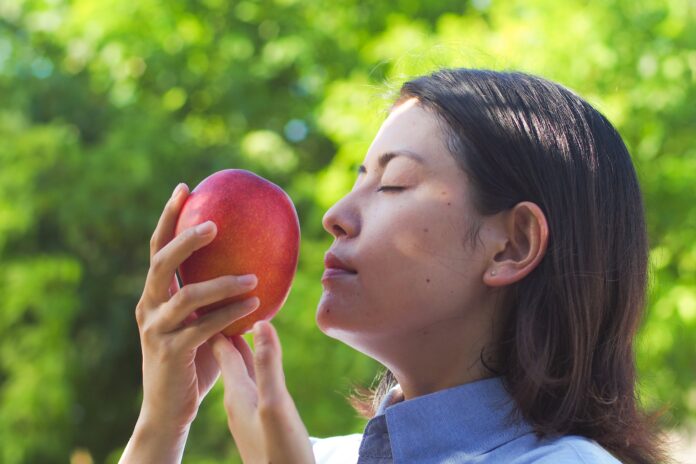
(334, 263)
(331, 273)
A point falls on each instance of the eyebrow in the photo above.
(386, 157)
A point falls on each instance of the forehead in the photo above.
(411, 128)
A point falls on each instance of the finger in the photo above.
(164, 231)
(286, 436)
(207, 369)
(240, 391)
(193, 296)
(247, 355)
(199, 331)
(164, 263)
(268, 364)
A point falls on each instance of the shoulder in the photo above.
(569, 449)
(336, 450)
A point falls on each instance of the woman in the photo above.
(495, 258)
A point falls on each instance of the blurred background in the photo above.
(106, 105)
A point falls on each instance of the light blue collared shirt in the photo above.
(464, 424)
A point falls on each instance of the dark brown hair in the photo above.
(567, 354)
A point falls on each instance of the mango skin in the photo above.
(258, 232)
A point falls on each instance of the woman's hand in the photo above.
(178, 365)
(261, 414)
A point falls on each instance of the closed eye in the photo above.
(389, 188)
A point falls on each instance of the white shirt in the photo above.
(336, 450)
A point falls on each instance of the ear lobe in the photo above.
(527, 232)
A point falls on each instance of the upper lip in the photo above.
(333, 261)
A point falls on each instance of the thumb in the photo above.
(239, 387)
(270, 379)
(285, 435)
(229, 359)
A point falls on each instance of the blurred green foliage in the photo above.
(106, 105)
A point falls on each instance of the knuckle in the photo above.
(265, 409)
(270, 407)
(139, 313)
(185, 296)
(157, 262)
(263, 357)
(148, 331)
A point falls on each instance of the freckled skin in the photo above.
(417, 304)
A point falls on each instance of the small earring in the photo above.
(492, 272)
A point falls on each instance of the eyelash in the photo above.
(389, 188)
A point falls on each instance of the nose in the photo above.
(341, 220)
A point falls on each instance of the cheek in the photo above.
(437, 271)
(413, 272)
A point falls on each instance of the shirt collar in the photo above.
(474, 417)
(393, 396)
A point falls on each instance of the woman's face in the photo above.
(416, 269)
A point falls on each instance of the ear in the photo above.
(523, 243)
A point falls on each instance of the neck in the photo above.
(443, 355)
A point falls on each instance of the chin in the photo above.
(331, 320)
(322, 318)
(349, 328)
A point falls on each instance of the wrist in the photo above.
(156, 424)
(152, 428)
(154, 442)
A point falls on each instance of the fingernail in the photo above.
(178, 189)
(251, 302)
(205, 228)
(247, 280)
